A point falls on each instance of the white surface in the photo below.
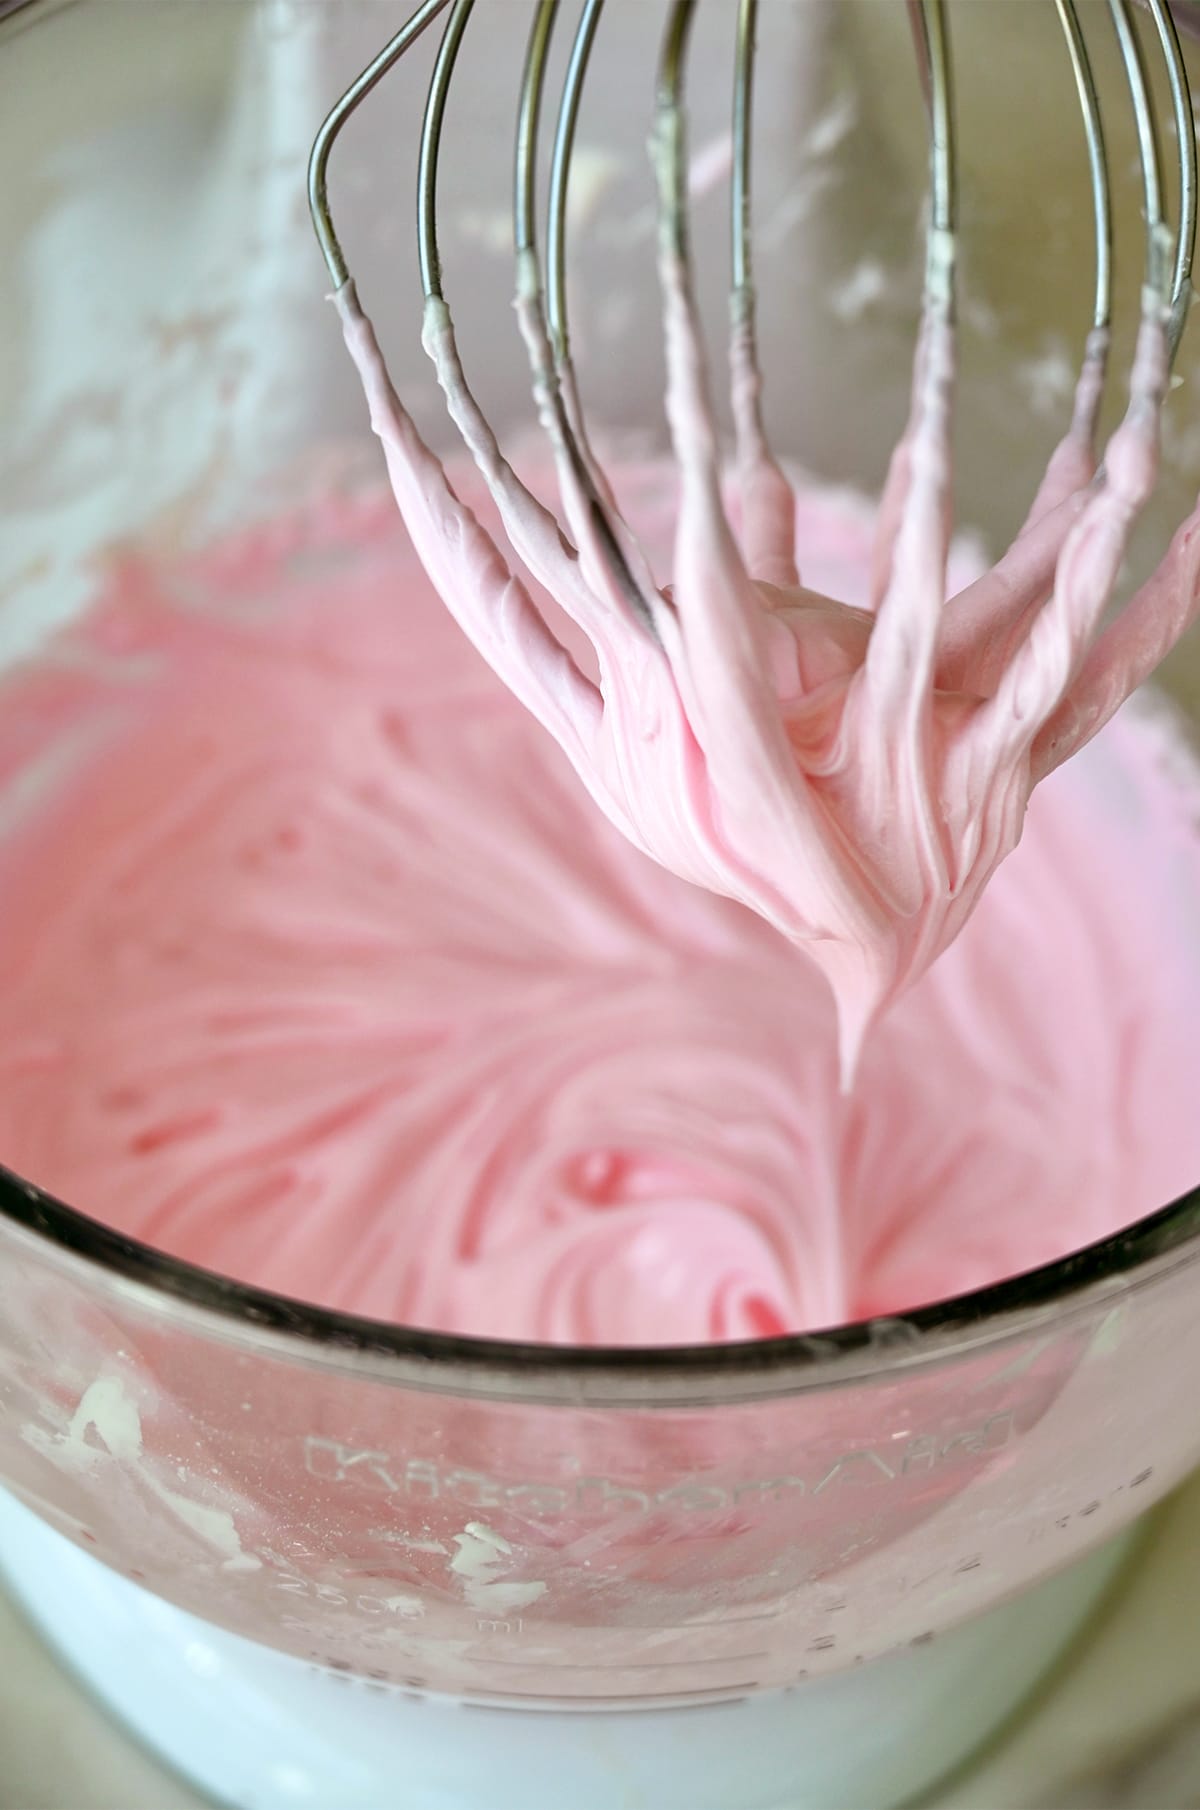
(1113, 1727)
(263, 1731)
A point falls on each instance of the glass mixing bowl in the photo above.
(749, 1577)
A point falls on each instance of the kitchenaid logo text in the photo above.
(422, 1479)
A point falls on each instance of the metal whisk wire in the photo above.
(1169, 254)
(318, 163)
(549, 343)
(1185, 136)
(1093, 125)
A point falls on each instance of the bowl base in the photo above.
(258, 1730)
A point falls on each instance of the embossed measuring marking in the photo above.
(732, 1620)
(1045, 1525)
(716, 1697)
(623, 1665)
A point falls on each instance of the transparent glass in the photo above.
(520, 1524)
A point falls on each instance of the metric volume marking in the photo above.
(620, 1665)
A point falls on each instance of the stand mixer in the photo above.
(317, 1559)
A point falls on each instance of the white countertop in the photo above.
(1117, 1725)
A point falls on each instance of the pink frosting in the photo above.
(318, 969)
(853, 768)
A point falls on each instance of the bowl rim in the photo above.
(1089, 1281)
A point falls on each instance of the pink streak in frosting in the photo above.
(318, 970)
(855, 775)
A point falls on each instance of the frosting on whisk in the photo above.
(855, 776)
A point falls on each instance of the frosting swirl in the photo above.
(319, 969)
